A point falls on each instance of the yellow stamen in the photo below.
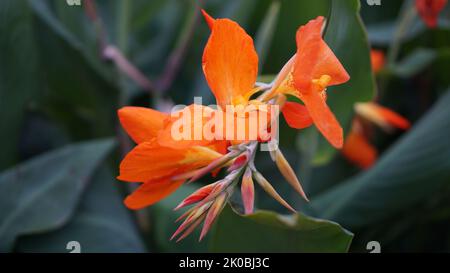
(323, 81)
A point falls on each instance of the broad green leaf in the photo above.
(101, 223)
(411, 172)
(71, 26)
(267, 231)
(18, 74)
(41, 194)
(79, 89)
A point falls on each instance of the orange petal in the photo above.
(151, 192)
(393, 118)
(150, 161)
(296, 115)
(314, 58)
(209, 20)
(359, 151)
(230, 62)
(192, 119)
(141, 124)
(382, 116)
(323, 118)
(429, 10)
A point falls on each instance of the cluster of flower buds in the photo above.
(209, 200)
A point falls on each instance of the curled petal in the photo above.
(314, 58)
(141, 124)
(230, 62)
(296, 115)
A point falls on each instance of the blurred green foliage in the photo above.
(58, 103)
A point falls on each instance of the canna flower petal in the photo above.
(429, 11)
(324, 119)
(315, 68)
(377, 60)
(149, 161)
(312, 69)
(151, 192)
(359, 151)
(230, 62)
(141, 124)
(315, 59)
(382, 116)
(195, 117)
(296, 115)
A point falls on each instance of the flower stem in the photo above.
(406, 19)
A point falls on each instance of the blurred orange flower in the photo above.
(429, 10)
(357, 147)
(377, 59)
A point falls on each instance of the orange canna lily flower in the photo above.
(152, 163)
(357, 147)
(429, 11)
(381, 116)
(308, 74)
(377, 59)
(163, 162)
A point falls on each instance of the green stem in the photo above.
(406, 19)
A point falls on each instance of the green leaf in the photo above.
(411, 172)
(42, 193)
(18, 74)
(266, 31)
(80, 89)
(347, 37)
(100, 224)
(267, 231)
